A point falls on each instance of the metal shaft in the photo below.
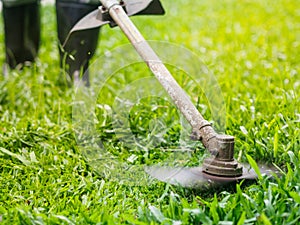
(201, 127)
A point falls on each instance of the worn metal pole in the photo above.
(202, 128)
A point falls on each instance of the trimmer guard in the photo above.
(132, 8)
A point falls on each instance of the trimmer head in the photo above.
(223, 163)
(196, 178)
(218, 170)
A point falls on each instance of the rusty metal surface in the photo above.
(217, 167)
(225, 147)
(204, 131)
(223, 163)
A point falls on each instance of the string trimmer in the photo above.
(218, 169)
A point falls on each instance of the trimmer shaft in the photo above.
(223, 164)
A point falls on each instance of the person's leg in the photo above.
(22, 33)
(81, 46)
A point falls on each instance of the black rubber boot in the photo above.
(22, 33)
(81, 46)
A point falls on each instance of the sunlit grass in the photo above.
(251, 47)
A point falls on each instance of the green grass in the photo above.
(251, 47)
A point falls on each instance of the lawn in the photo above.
(63, 164)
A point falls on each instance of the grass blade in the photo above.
(254, 165)
(14, 155)
(264, 219)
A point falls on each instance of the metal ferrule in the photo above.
(109, 3)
